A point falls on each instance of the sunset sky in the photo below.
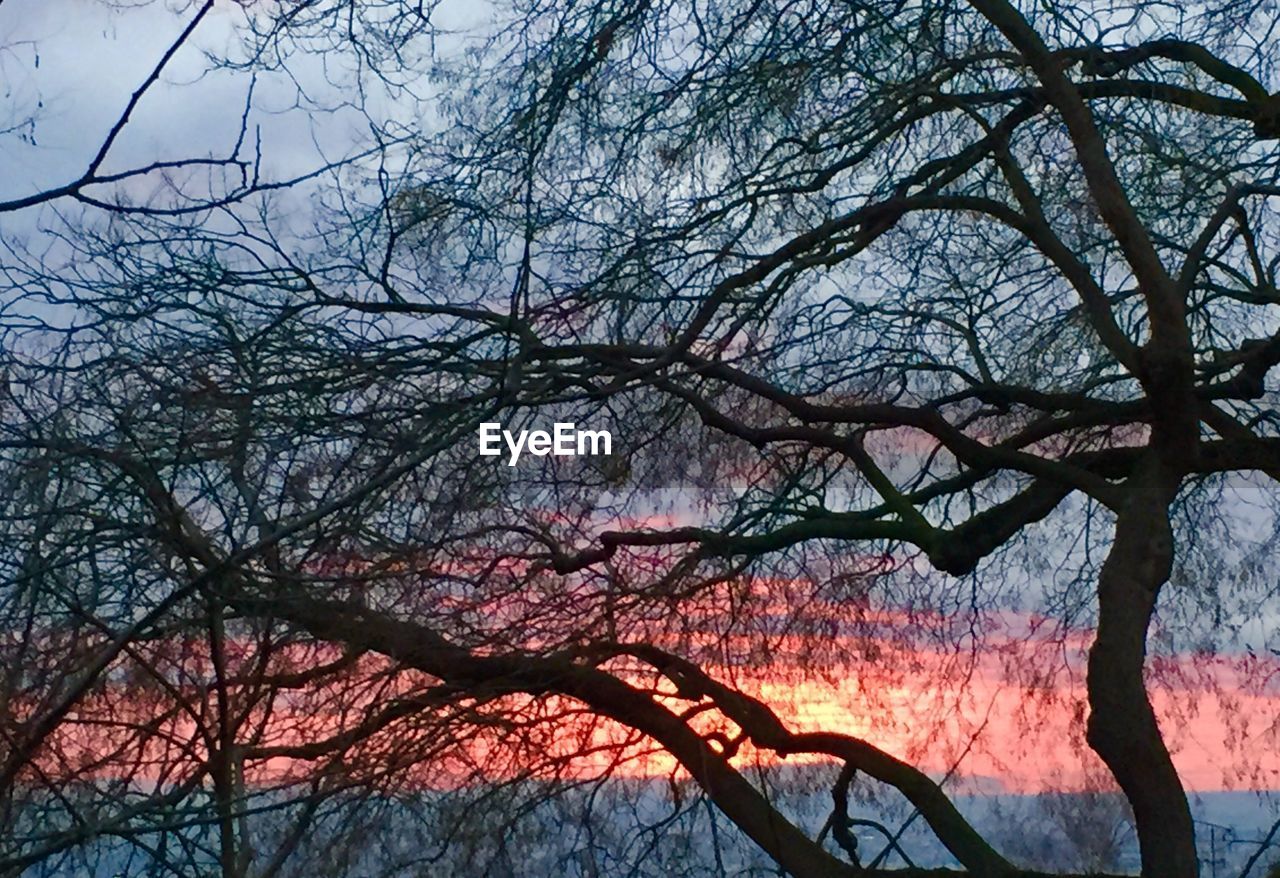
(1217, 722)
(884, 371)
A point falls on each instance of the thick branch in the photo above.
(766, 730)
(421, 648)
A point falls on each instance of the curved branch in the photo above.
(768, 732)
(421, 648)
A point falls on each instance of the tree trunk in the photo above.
(1122, 726)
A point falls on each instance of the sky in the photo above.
(73, 65)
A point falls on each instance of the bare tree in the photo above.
(885, 305)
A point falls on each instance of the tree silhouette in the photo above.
(943, 310)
